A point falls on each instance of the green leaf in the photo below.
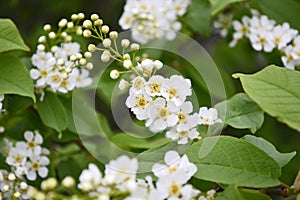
(52, 112)
(198, 16)
(14, 77)
(276, 91)
(218, 5)
(282, 11)
(242, 112)
(124, 140)
(281, 158)
(232, 192)
(229, 160)
(10, 38)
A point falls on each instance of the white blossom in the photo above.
(208, 116)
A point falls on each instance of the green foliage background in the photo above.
(31, 15)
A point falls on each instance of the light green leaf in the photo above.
(277, 91)
(218, 5)
(282, 11)
(198, 16)
(124, 140)
(229, 160)
(10, 38)
(281, 158)
(242, 112)
(232, 192)
(14, 77)
(52, 112)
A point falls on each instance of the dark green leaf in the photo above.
(282, 11)
(229, 160)
(52, 112)
(10, 38)
(14, 77)
(198, 16)
(276, 91)
(218, 5)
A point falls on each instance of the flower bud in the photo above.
(87, 54)
(23, 185)
(73, 58)
(60, 62)
(11, 177)
(17, 194)
(98, 22)
(113, 35)
(40, 196)
(62, 23)
(80, 16)
(106, 43)
(47, 27)
(41, 47)
(87, 24)
(127, 64)
(103, 197)
(74, 17)
(125, 43)
(63, 35)
(105, 57)
(70, 25)
(49, 184)
(134, 47)
(92, 48)
(68, 38)
(79, 31)
(114, 74)
(42, 39)
(126, 56)
(82, 61)
(52, 35)
(158, 64)
(78, 55)
(123, 85)
(89, 66)
(94, 17)
(87, 33)
(68, 182)
(105, 29)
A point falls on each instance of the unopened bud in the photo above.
(105, 29)
(125, 43)
(94, 17)
(114, 74)
(134, 47)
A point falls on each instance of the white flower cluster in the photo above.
(162, 103)
(153, 19)
(120, 175)
(28, 157)
(120, 179)
(265, 35)
(11, 187)
(62, 69)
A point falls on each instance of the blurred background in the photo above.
(31, 15)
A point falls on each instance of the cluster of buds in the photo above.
(59, 63)
(51, 189)
(118, 49)
(11, 187)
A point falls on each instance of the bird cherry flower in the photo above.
(208, 116)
